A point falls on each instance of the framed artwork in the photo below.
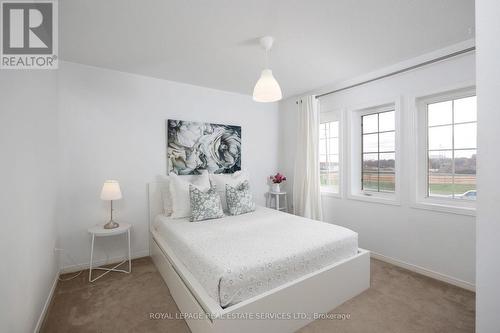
(196, 146)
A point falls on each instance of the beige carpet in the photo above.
(398, 301)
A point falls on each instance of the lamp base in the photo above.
(111, 225)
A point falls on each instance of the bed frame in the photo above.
(292, 304)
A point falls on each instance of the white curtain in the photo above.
(306, 190)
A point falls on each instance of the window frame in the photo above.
(354, 167)
(327, 117)
(422, 198)
(378, 152)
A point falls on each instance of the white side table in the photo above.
(99, 231)
(277, 196)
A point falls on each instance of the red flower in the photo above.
(278, 178)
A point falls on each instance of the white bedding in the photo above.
(238, 257)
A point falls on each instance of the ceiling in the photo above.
(214, 43)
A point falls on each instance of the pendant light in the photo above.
(267, 88)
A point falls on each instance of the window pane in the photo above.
(370, 162)
(330, 181)
(387, 182)
(439, 113)
(322, 146)
(465, 174)
(465, 162)
(387, 141)
(370, 143)
(333, 146)
(440, 137)
(333, 158)
(323, 178)
(465, 109)
(379, 138)
(441, 185)
(452, 173)
(465, 187)
(440, 161)
(440, 174)
(334, 129)
(370, 181)
(322, 131)
(386, 121)
(329, 158)
(370, 123)
(387, 162)
(465, 136)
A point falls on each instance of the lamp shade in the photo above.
(267, 88)
(111, 190)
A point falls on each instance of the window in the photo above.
(329, 156)
(378, 152)
(451, 148)
(372, 164)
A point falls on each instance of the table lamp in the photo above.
(111, 191)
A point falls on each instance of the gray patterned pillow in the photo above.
(204, 205)
(239, 199)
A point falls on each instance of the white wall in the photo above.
(28, 148)
(112, 126)
(488, 217)
(441, 242)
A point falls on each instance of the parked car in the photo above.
(469, 195)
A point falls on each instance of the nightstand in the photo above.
(276, 196)
(99, 231)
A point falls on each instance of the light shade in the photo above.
(267, 88)
(111, 190)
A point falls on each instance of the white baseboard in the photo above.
(82, 266)
(46, 305)
(424, 271)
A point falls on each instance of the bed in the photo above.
(261, 271)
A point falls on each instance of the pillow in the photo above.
(179, 192)
(166, 198)
(239, 199)
(204, 205)
(220, 181)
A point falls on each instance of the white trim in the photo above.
(424, 271)
(82, 266)
(326, 193)
(378, 198)
(46, 306)
(444, 208)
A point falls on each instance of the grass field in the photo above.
(447, 189)
(384, 186)
(329, 179)
(439, 184)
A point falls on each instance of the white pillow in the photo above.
(166, 197)
(232, 179)
(179, 192)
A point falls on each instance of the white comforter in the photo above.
(238, 257)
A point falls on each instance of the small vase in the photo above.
(275, 187)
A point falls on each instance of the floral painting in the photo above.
(195, 146)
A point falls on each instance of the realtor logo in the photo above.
(29, 35)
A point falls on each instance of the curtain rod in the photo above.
(425, 63)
